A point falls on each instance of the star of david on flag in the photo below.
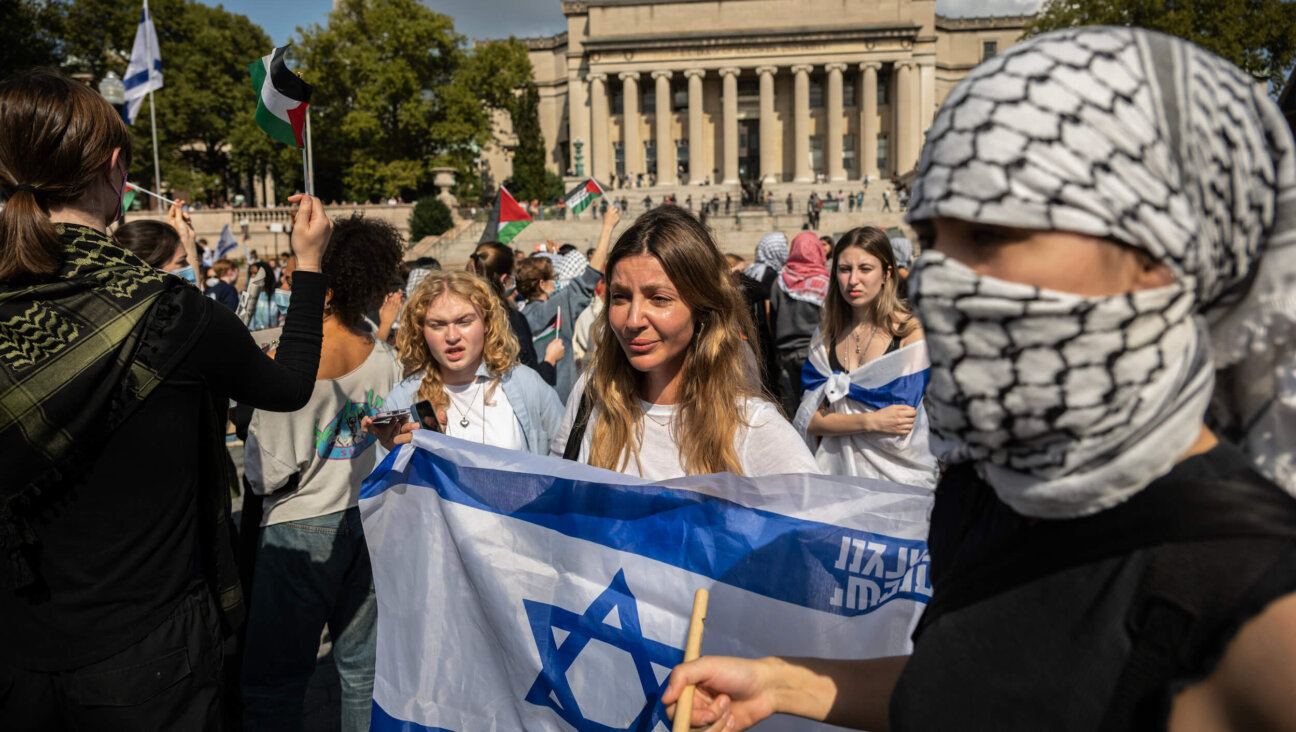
(525, 592)
(613, 619)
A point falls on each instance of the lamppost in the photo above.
(113, 91)
(580, 161)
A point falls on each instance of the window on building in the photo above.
(650, 157)
(816, 92)
(816, 154)
(679, 95)
(618, 152)
(884, 154)
(848, 90)
(649, 105)
(988, 49)
(883, 88)
(616, 100)
(848, 153)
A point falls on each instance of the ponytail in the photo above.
(57, 136)
(29, 245)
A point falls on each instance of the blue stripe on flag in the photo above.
(908, 389)
(141, 77)
(740, 546)
(381, 721)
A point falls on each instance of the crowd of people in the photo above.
(1047, 368)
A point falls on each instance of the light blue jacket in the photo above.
(535, 403)
(573, 299)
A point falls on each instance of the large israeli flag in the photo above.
(144, 74)
(518, 592)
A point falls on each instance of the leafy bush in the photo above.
(431, 217)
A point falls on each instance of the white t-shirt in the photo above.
(766, 445)
(322, 442)
(488, 421)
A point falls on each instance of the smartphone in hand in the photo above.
(423, 413)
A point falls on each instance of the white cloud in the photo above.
(963, 8)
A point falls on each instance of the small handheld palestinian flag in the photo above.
(550, 332)
(282, 98)
(580, 197)
(507, 219)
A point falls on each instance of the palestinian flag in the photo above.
(506, 220)
(282, 98)
(128, 198)
(550, 332)
(580, 197)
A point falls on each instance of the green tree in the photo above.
(1257, 35)
(528, 159)
(25, 36)
(430, 217)
(208, 143)
(397, 92)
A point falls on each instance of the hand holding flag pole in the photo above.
(692, 650)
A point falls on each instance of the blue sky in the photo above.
(502, 18)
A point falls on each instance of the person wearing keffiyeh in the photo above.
(118, 590)
(1110, 216)
(794, 310)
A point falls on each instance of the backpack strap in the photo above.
(577, 434)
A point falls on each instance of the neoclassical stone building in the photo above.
(731, 91)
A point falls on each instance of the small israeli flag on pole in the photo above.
(144, 74)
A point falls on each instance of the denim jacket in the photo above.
(535, 403)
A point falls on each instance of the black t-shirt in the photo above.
(1037, 624)
(120, 548)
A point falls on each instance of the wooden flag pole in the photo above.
(692, 650)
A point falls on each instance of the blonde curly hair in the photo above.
(499, 351)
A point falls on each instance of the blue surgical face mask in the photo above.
(187, 273)
(281, 299)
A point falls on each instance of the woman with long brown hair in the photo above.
(867, 370)
(117, 583)
(494, 263)
(460, 355)
(673, 388)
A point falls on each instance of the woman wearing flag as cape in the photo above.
(866, 372)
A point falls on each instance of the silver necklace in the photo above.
(858, 361)
(463, 415)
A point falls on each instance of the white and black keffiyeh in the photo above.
(771, 255)
(1148, 140)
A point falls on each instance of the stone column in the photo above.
(767, 123)
(598, 151)
(833, 139)
(630, 124)
(730, 102)
(801, 127)
(578, 119)
(697, 168)
(868, 119)
(665, 141)
(904, 123)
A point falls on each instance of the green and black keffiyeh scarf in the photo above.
(79, 352)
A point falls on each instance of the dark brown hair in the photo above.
(57, 137)
(155, 242)
(531, 272)
(492, 262)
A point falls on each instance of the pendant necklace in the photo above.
(463, 421)
(858, 361)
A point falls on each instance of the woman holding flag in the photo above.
(460, 355)
(674, 387)
(554, 314)
(866, 372)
